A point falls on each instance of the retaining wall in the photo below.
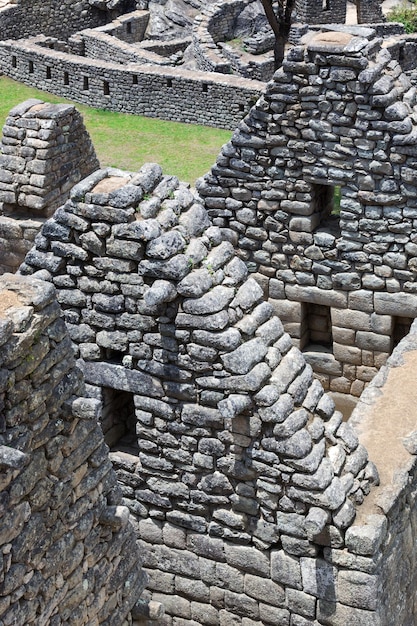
(59, 19)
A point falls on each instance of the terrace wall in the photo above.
(59, 19)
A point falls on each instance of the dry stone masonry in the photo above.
(185, 60)
(45, 150)
(242, 478)
(252, 499)
(338, 119)
(69, 553)
(182, 329)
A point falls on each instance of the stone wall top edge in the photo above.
(386, 499)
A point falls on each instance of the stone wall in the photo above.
(213, 28)
(45, 151)
(369, 11)
(59, 19)
(386, 405)
(96, 44)
(17, 236)
(130, 27)
(241, 476)
(69, 550)
(174, 94)
(254, 502)
(336, 119)
(319, 12)
(214, 24)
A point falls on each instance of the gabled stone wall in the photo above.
(233, 461)
(69, 550)
(339, 114)
(45, 150)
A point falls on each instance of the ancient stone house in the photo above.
(318, 185)
(242, 480)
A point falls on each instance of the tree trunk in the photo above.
(280, 23)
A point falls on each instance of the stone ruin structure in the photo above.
(63, 527)
(339, 115)
(253, 501)
(45, 151)
(334, 11)
(242, 480)
(182, 60)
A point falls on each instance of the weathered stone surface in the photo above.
(233, 440)
(65, 440)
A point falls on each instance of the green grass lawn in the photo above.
(127, 141)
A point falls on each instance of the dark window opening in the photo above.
(316, 331)
(169, 82)
(326, 5)
(66, 78)
(106, 88)
(118, 420)
(48, 73)
(326, 201)
(401, 328)
(114, 356)
(31, 67)
(85, 83)
(134, 79)
(205, 87)
(14, 61)
(129, 28)
(241, 107)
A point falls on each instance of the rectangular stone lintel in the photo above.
(118, 377)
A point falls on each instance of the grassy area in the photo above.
(128, 141)
(405, 15)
